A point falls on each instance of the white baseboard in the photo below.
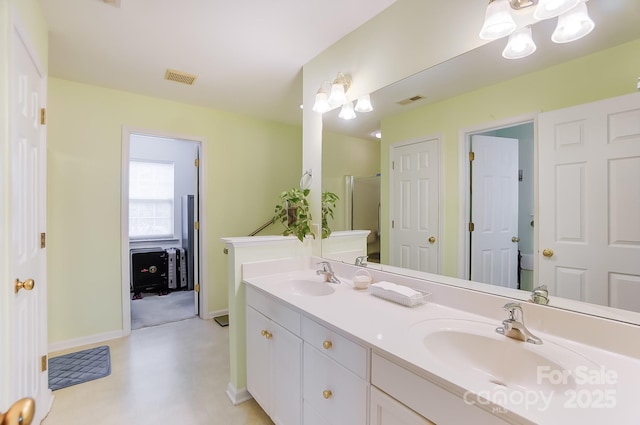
(86, 340)
(217, 313)
(237, 396)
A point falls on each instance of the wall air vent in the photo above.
(411, 99)
(179, 76)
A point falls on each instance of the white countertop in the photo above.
(394, 331)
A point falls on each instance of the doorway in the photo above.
(497, 205)
(161, 207)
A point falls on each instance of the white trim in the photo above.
(258, 240)
(349, 234)
(203, 298)
(85, 340)
(441, 198)
(217, 313)
(464, 141)
(237, 396)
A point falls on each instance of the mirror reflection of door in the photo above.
(494, 210)
(589, 210)
(415, 205)
(501, 205)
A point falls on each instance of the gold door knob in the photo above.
(21, 413)
(548, 252)
(27, 285)
(432, 239)
(327, 345)
(515, 239)
(327, 394)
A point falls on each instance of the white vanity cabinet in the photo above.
(274, 358)
(335, 377)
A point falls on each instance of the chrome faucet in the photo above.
(514, 328)
(327, 272)
(540, 295)
(362, 260)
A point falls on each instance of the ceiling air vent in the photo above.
(179, 76)
(115, 3)
(411, 100)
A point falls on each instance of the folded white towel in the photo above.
(398, 289)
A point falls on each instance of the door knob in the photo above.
(515, 239)
(21, 413)
(432, 239)
(26, 285)
(548, 252)
(327, 345)
(327, 394)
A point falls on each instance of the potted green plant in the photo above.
(293, 212)
(329, 200)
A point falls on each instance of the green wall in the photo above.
(249, 161)
(608, 73)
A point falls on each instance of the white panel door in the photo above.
(589, 211)
(494, 211)
(415, 195)
(28, 308)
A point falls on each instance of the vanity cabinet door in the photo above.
(274, 368)
(258, 357)
(388, 411)
(337, 393)
(286, 376)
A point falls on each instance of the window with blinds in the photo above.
(151, 198)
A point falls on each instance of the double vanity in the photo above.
(327, 353)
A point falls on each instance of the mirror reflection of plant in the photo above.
(294, 213)
(329, 200)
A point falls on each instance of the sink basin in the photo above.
(313, 288)
(494, 361)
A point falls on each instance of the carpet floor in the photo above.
(153, 309)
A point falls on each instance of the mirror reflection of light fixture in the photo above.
(498, 21)
(573, 23)
(347, 112)
(520, 44)
(551, 8)
(364, 104)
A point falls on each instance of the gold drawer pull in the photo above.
(266, 334)
(327, 345)
(327, 394)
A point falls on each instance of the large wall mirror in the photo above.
(467, 103)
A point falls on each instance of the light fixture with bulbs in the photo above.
(573, 23)
(336, 96)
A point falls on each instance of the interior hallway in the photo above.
(172, 373)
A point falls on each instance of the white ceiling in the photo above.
(247, 54)
(617, 22)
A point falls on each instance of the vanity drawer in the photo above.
(276, 311)
(425, 397)
(331, 389)
(344, 351)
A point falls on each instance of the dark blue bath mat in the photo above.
(81, 366)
